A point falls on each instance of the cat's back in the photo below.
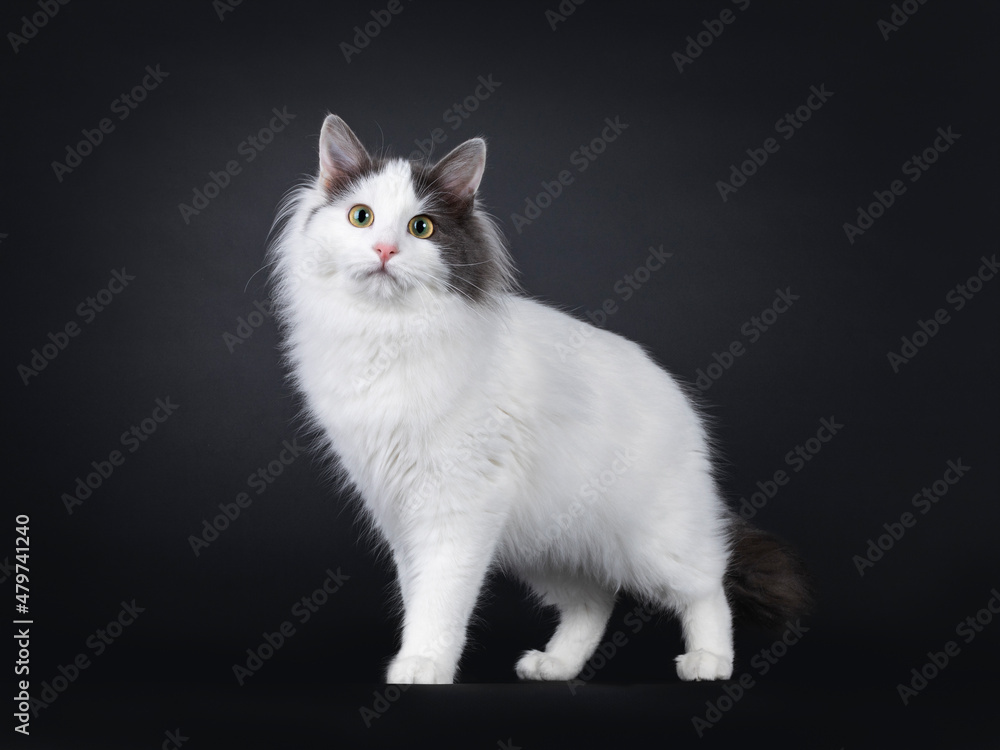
(566, 345)
(563, 365)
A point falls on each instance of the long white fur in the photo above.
(482, 435)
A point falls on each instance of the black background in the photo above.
(826, 357)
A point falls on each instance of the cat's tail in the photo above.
(766, 581)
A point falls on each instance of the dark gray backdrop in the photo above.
(187, 329)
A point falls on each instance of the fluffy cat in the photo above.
(477, 436)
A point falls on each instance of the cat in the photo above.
(475, 441)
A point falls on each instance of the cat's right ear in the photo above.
(341, 155)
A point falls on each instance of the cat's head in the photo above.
(388, 228)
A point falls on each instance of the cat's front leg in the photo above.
(441, 567)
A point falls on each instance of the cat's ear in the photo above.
(341, 155)
(458, 174)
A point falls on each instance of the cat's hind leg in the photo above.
(584, 610)
(708, 636)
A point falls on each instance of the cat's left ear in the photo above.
(459, 173)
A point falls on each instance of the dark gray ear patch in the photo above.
(471, 247)
(349, 182)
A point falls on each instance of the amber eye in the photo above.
(361, 216)
(421, 227)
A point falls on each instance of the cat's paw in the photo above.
(538, 665)
(704, 665)
(416, 670)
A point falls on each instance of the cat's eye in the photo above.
(361, 216)
(421, 227)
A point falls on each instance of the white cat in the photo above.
(478, 435)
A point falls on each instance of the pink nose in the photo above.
(385, 251)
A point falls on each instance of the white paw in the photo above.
(704, 665)
(416, 670)
(538, 665)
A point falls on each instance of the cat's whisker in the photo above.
(464, 265)
(266, 265)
